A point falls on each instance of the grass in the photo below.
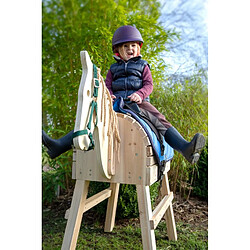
(124, 235)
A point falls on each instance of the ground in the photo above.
(191, 221)
(193, 211)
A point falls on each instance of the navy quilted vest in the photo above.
(127, 76)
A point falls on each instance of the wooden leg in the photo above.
(75, 215)
(145, 210)
(169, 215)
(111, 208)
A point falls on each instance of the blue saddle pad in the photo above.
(168, 154)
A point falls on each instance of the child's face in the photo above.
(129, 50)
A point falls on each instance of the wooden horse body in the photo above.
(122, 154)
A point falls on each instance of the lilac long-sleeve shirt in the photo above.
(147, 83)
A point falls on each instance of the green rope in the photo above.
(92, 142)
(80, 132)
(93, 107)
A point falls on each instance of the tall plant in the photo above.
(185, 105)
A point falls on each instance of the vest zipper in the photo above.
(126, 84)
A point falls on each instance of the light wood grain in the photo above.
(169, 215)
(160, 210)
(111, 207)
(145, 211)
(75, 215)
(131, 168)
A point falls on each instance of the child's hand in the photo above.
(113, 97)
(135, 98)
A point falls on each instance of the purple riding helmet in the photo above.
(125, 34)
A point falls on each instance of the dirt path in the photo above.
(193, 211)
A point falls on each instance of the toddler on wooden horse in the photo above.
(130, 78)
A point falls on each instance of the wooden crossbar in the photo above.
(150, 161)
(160, 210)
(97, 198)
(93, 200)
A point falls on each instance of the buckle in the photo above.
(96, 86)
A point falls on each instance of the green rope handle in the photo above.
(80, 132)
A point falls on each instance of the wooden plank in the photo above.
(167, 167)
(145, 211)
(133, 154)
(111, 165)
(73, 170)
(169, 215)
(74, 154)
(146, 141)
(121, 115)
(131, 166)
(140, 129)
(151, 175)
(96, 199)
(66, 216)
(149, 151)
(93, 201)
(111, 207)
(75, 215)
(160, 210)
(130, 119)
(150, 161)
(74, 164)
(142, 132)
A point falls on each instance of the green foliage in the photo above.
(57, 177)
(127, 206)
(50, 183)
(127, 203)
(127, 200)
(200, 185)
(185, 105)
(94, 188)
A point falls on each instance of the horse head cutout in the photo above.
(96, 125)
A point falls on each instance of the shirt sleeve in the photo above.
(108, 82)
(147, 83)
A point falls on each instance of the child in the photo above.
(130, 78)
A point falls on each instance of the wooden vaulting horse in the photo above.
(112, 147)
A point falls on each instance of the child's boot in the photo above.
(190, 150)
(57, 147)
